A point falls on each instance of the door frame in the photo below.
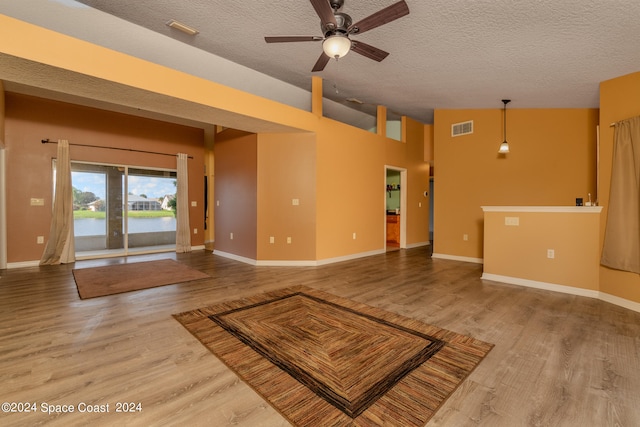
(403, 205)
(3, 209)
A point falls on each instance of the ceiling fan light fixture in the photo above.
(336, 46)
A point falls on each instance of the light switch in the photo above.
(194, 203)
(37, 202)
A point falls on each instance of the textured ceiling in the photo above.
(446, 54)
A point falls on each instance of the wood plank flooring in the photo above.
(559, 360)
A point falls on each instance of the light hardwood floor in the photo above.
(559, 360)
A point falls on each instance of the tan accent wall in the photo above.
(29, 172)
(521, 251)
(618, 101)
(552, 161)
(286, 174)
(236, 190)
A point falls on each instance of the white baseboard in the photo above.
(234, 257)
(458, 258)
(296, 263)
(418, 245)
(612, 299)
(198, 248)
(541, 285)
(349, 257)
(23, 264)
(285, 263)
(625, 303)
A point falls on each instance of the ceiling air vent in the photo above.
(464, 128)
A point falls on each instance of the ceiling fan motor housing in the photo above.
(343, 20)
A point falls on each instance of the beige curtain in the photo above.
(621, 249)
(183, 231)
(60, 248)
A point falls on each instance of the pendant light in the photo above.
(504, 147)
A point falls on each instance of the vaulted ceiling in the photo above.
(446, 54)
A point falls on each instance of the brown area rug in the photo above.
(114, 279)
(324, 360)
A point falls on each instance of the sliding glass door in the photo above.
(150, 213)
(120, 210)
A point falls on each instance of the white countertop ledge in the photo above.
(552, 209)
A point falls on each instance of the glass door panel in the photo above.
(119, 210)
(151, 220)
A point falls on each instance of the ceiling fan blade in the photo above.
(384, 16)
(321, 63)
(368, 51)
(286, 39)
(324, 11)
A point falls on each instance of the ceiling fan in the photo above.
(337, 27)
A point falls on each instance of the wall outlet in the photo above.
(231, 236)
(194, 203)
(511, 220)
(465, 237)
(37, 202)
(272, 239)
(289, 240)
(40, 240)
(295, 202)
(551, 253)
(195, 231)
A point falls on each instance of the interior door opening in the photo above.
(395, 208)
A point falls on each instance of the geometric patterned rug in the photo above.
(320, 359)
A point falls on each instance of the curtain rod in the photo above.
(48, 141)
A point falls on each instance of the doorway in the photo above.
(395, 191)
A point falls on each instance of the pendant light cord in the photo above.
(505, 101)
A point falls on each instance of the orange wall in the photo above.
(338, 178)
(349, 175)
(29, 173)
(618, 101)
(57, 50)
(350, 187)
(235, 193)
(418, 182)
(286, 171)
(552, 161)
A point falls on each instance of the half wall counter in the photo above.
(547, 247)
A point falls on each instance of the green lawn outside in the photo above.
(132, 214)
